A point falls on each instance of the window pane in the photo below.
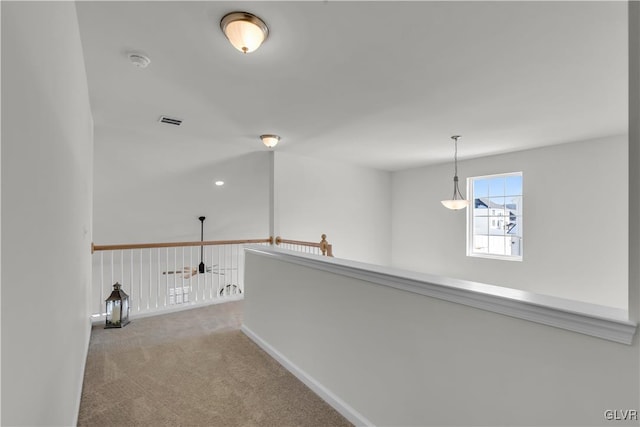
(514, 205)
(497, 244)
(480, 188)
(481, 225)
(516, 246)
(514, 185)
(513, 227)
(480, 206)
(481, 244)
(496, 186)
(496, 206)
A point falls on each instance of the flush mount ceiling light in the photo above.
(245, 31)
(270, 140)
(457, 201)
(219, 183)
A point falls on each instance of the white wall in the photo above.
(130, 208)
(350, 204)
(399, 358)
(47, 149)
(634, 162)
(575, 222)
(0, 245)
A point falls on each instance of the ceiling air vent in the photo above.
(170, 120)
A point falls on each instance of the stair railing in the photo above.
(170, 276)
(321, 248)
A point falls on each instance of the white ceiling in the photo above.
(380, 84)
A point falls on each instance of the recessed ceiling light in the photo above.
(219, 183)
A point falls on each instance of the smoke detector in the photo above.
(139, 60)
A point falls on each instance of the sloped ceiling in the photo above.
(379, 84)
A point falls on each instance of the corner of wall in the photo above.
(634, 161)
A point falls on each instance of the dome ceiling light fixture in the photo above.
(245, 31)
(270, 140)
(457, 201)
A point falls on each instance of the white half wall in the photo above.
(348, 203)
(47, 150)
(575, 222)
(389, 357)
(132, 207)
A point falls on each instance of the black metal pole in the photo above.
(201, 266)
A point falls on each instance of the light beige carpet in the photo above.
(192, 368)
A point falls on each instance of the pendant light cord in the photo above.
(456, 190)
(455, 155)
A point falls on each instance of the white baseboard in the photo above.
(174, 308)
(84, 366)
(325, 394)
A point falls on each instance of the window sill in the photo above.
(498, 257)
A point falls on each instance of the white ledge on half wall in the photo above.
(591, 319)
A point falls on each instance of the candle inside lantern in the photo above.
(115, 314)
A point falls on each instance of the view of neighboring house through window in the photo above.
(495, 216)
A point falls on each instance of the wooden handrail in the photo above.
(280, 240)
(175, 244)
(323, 245)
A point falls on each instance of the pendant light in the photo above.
(457, 201)
(245, 31)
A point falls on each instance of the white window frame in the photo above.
(470, 219)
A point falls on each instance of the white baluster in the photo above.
(140, 279)
(218, 275)
(230, 257)
(150, 272)
(166, 279)
(101, 281)
(175, 278)
(111, 282)
(225, 286)
(208, 278)
(234, 262)
(240, 268)
(158, 277)
(132, 297)
(122, 270)
(211, 276)
(198, 275)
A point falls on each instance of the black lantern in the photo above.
(117, 308)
